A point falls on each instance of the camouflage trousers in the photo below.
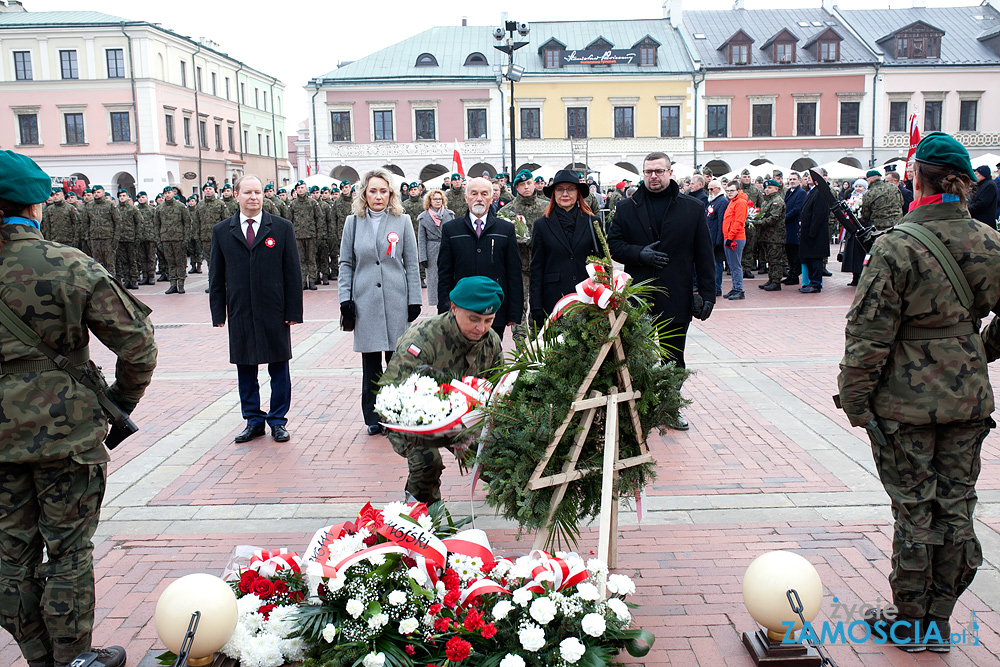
(173, 251)
(128, 262)
(777, 261)
(930, 475)
(194, 252)
(424, 464)
(146, 259)
(307, 259)
(103, 250)
(520, 330)
(750, 249)
(49, 607)
(322, 259)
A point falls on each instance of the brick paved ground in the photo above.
(769, 463)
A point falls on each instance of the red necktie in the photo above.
(250, 234)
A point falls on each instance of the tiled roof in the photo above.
(711, 30)
(962, 27)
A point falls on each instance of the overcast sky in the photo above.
(296, 41)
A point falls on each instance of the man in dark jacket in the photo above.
(716, 210)
(983, 204)
(794, 198)
(481, 244)
(254, 277)
(893, 178)
(814, 238)
(659, 225)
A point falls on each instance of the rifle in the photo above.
(865, 234)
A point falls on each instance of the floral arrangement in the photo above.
(420, 405)
(520, 224)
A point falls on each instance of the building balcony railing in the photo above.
(969, 139)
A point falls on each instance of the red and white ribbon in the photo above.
(558, 571)
(268, 563)
(393, 239)
(480, 587)
(473, 543)
(596, 290)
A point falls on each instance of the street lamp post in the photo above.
(513, 72)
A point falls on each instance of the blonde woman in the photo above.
(429, 238)
(379, 280)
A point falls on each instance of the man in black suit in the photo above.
(659, 225)
(481, 244)
(794, 199)
(255, 279)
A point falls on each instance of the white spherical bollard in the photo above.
(207, 594)
(765, 586)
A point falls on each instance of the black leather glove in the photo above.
(347, 310)
(538, 316)
(706, 310)
(423, 264)
(650, 257)
(412, 312)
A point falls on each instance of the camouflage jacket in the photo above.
(341, 209)
(881, 205)
(455, 200)
(613, 200)
(594, 203)
(102, 220)
(772, 222)
(531, 207)
(438, 345)
(413, 207)
(269, 207)
(754, 194)
(933, 381)
(172, 221)
(146, 232)
(305, 217)
(207, 214)
(64, 296)
(61, 223)
(325, 221)
(232, 205)
(130, 223)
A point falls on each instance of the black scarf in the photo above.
(567, 219)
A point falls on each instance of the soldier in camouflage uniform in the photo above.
(271, 203)
(756, 198)
(333, 238)
(914, 375)
(53, 463)
(882, 204)
(61, 221)
(229, 200)
(146, 241)
(450, 345)
(128, 260)
(341, 209)
(207, 213)
(283, 203)
(455, 197)
(173, 225)
(102, 227)
(322, 276)
(532, 207)
(772, 235)
(306, 216)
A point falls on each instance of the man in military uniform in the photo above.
(173, 226)
(455, 197)
(341, 209)
(914, 375)
(882, 203)
(322, 234)
(539, 187)
(772, 235)
(128, 261)
(207, 213)
(146, 241)
(60, 221)
(102, 227)
(532, 207)
(454, 344)
(306, 216)
(756, 198)
(229, 200)
(276, 207)
(53, 463)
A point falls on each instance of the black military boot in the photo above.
(180, 286)
(162, 278)
(173, 288)
(944, 627)
(111, 656)
(47, 661)
(771, 287)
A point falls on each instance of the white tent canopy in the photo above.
(545, 171)
(842, 172)
(764, 170)
(989, 159)
(611, 174)
(321, 180)
(437, 181)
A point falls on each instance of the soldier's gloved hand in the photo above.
(423, 264)
(347, 310)
(412, 312)
(696, 304)
(875, 433)
(650, 257)
(706, 310)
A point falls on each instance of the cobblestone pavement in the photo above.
(768, 463)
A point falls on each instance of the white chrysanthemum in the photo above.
(329, 632)
(397, 597)
(426, 522)
(293, 649)
(234, 647)
(501, 568)
(620, 584)
(522, 567)
(374, 659)
(588, 591)
(264, 650)
(248, 604)
(596, 567)
(376, 559)
(531, 637)
(501, 609)
(395, 509)
(543, 610)
(417, 575)
(281, 621)
(512, 660)
(378, 621)
(522, 597)
(355, 607)
(593, 624)
(571, 649)
(620, 609)
(408, 626)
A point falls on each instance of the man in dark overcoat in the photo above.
(814, 237)
(255, 279)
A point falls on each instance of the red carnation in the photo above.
(442, 624)
(246, 581)
(370, 540)
(410, 650)
(488, 567)
(409, 562)
(262, 588)
(266, 610)
(450, 579)
(488, 631)
(280, 588)
(473, 620)
(457, 649)
(451, 599)
(434, 609)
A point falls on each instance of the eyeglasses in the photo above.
(654, 172)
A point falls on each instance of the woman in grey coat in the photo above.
(429, 238)
(379, 282)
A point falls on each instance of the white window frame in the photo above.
(806, 98)
(30, 111)
(480, 103)
(768, 100)
(120, 108)
(68, 109)
(424, 105)
(382, 105)
(851, 97)
(576, 103)
(13, 64)
(963, 96)
(340, 107)
(531, 103)
(719, 101)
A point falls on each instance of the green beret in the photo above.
(269, 186)
(169, 188)
(873, 172)
(314, 188)
(122, 191)
(70, 194)
(344, 182)
(941, 149)
(95, 188)
(22, 181)
(414, 184)
(86, 190)
(745, 172)
(282, 190)
(454, 176)
(298, 183)
(210, 184)
(141, 193)
(773, 182)
(56, 190)
(227, 186)
(539, 179)
(324, 189)
(522, 176)
(477, 293)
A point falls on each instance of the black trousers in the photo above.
(371, 373)
(676, 339)
(794, 265)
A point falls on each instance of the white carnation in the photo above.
(522, 597)
(620, 584)
(571, 649)
(408, 626)
(620, 609)
(374, 659)
(543, 610)
(501, 609)
(512, 660)
(501, 568)
(355, 607)
(378, 621)
(376, 559)
(531, 637)
(417, 575)
(588, 591)
(593, 624)
(329, 632)
(397, 597)
(426, 522)
(596, 567)
(394, 510)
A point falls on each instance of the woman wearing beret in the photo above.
(562, 239)
(914, 375)
(379, 281)
(429, 239)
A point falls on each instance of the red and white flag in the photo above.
(914, 140)
(456, 160)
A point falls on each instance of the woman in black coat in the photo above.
(814, 241)
(561, 242)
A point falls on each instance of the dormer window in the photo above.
(784, 52)
(552, 58)
(916, 41)
(647, 47)
(829, 51)
(825, 46)
(476, 59)
(551, 52)
(739, 54)
(426, 60)
(600, 44)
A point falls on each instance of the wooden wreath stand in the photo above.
(607, 549)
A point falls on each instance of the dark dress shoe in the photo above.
(827, 273)
(249, 433)
(374, 429)
(110, 656)
(771, 287)
(279, 433)
(736, 295)
(791, 280)
(682, 424)
(809, 289)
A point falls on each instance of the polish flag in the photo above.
(456, 160)
(914, 140)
